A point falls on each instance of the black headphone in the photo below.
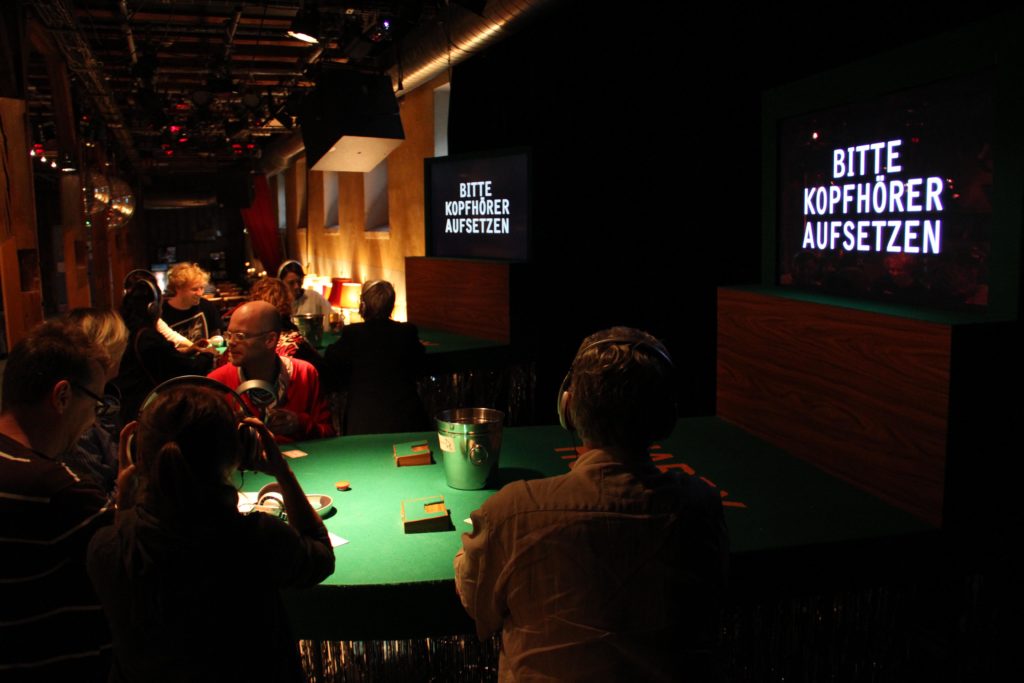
(280, 268)
(154, 306)
(665, 423)
(252, 446)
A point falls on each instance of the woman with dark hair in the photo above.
(149, 359)
(182, 567)
(304, 301)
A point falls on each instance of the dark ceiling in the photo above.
(202, 85)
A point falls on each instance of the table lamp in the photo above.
(350, 293)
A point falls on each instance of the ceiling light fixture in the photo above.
(306, 25)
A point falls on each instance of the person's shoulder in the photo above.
(225, 374)
(518, 497)
(302, 369)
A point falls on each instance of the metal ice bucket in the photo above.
(311, 327)
(470, 440)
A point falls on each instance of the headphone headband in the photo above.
(656, 349)
(280, 268)
(252, 447)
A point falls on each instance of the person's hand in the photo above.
(204, 346)
(281, 421)
(272, 462)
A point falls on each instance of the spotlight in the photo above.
(306, 25)
(380, 32)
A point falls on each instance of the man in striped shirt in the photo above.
(51, 624)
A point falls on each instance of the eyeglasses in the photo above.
(240, 337)
(106, 406)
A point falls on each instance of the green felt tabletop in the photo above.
(772, 500)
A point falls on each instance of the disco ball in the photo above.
(122, 204)
(95, 193)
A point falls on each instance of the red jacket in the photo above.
(298, 390)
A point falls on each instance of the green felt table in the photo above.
(390, 584)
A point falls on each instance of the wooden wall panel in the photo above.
(18, 244)
(465, 297)
(862, 395)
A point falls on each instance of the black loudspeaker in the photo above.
(252, 446)
(347, 102)
(562, 405)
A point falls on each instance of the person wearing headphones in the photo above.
(304, 301)
(298, 410)
(377, 363)
(150, 358)
(613, 571)
(191, 587)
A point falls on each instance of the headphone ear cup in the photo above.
(130, 449)
(564, 417)
(562, 402)
(252, 447)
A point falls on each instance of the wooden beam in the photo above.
(19, 251)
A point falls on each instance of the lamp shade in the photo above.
(350, 295)
(336, 289)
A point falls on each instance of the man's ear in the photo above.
(60, 396)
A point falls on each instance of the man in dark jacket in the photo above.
(377, 363)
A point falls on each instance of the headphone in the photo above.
(665, 423)
(252, 446)
(280, 268)
(153, 308)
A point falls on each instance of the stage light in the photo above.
(306, 25)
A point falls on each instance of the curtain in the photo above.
(261, 223)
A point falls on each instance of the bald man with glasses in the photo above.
(298, 411)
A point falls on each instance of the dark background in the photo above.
(645, 132)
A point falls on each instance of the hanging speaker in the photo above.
(350, 121)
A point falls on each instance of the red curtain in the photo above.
(261, 223)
